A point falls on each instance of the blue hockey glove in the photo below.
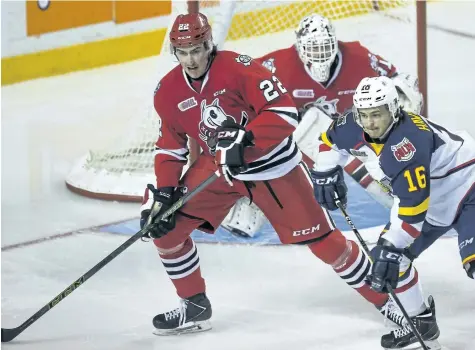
(328, 183)
(386, 259)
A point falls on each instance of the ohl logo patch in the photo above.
(404, 150)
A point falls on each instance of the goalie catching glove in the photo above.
(156, 202)
(231, 139)
(327, 185)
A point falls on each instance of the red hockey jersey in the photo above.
(237, 88)
(354, 62)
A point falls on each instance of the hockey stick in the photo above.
(10, 333)
(388, 286)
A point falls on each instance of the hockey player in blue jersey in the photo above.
(431, 174)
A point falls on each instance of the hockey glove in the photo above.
(386, 259)
(327, 184)
(163, 199)
(470, 269)
(231, 139)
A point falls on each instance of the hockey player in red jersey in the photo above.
(322, 73)
(243, 118)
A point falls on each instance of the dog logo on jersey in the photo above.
(328, 107)
(244, 59)
(269, 64)
(404, 150)
(212, 116)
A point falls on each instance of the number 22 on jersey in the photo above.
(270, 92)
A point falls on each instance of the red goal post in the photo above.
(394, 29)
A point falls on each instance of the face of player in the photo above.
(375, 121)
(194, 60)
(320, 52)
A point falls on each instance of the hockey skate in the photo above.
(191, 317)
(393, 317)
(404, 338)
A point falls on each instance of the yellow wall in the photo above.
(69, 14)
(127, 11)
(81, 57)
(60, 15)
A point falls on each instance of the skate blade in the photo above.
(431, 345)
(190, 327)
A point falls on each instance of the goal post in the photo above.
(394, 29)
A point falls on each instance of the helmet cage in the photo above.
(317, 45)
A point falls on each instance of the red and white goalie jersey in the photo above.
(353, 63)
(237, 88)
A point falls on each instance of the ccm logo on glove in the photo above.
(327, 181)
(225, 134)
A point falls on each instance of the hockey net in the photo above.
(255, 28)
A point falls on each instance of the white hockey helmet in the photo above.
(376, 92)
(317, 45)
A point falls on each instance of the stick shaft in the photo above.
(9, 334)
(388, 286)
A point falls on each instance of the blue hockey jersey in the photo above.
(428, 169)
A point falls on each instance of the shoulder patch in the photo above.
(404, 150)
(269, 64)
(341, 120)
(378, 65)
(244, 59)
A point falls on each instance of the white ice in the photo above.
(263, 297)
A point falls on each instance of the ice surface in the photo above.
(263, 297)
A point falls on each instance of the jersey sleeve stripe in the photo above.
(413, 232)
(180, 154)
(289, 114)
(412, 211)
(468, 259)
(325, 139)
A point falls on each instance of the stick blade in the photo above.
(9, 334)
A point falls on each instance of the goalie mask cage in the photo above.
(394, 29)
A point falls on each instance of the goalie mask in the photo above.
(376, 106)
(317, 46)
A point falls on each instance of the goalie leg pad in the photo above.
(243, 219)
(313, 123)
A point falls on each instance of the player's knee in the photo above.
(333, 249)
(167, 249)
(470, 269)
